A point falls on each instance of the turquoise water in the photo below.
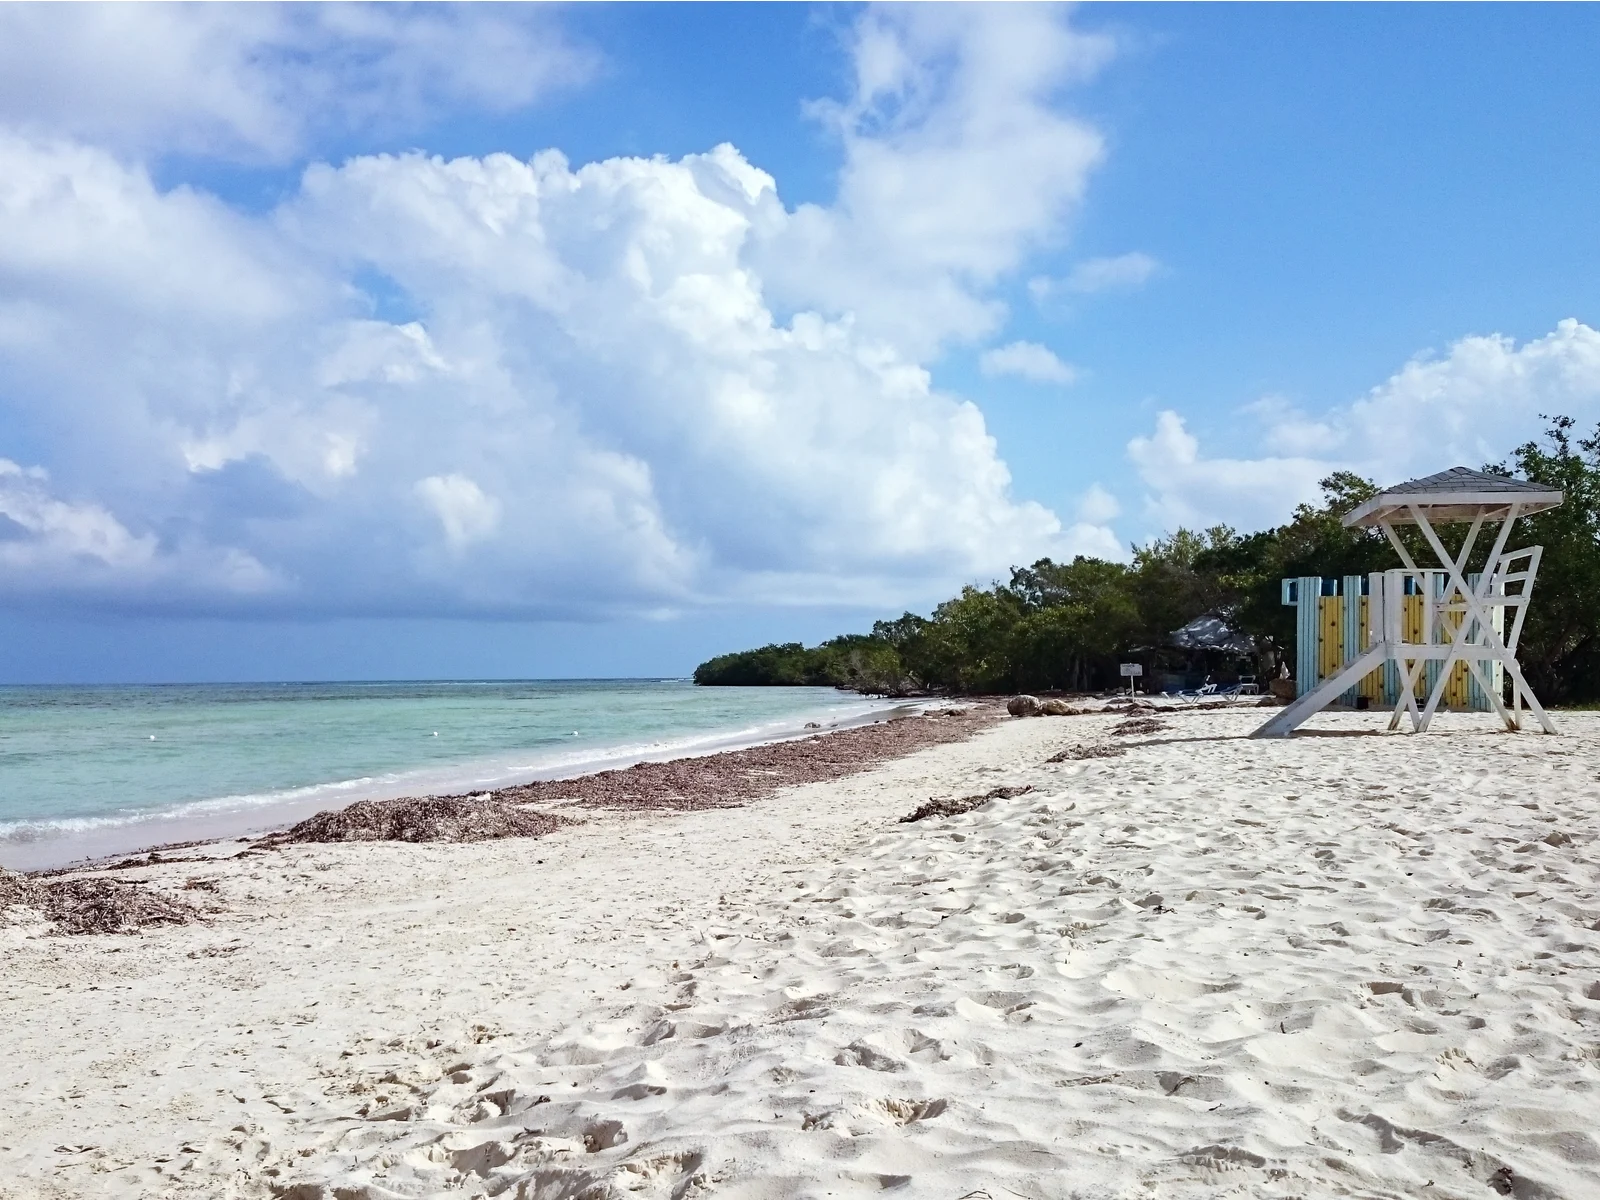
(96, 770)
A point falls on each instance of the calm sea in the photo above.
(99, 770)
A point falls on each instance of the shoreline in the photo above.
(712, 778)
(227, 818)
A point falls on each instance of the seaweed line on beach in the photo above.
(724, 780)
(738, 777)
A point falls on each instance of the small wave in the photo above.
(37, 829)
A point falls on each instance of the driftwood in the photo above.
(1139, 726)
(954, 808)
(1092, 750)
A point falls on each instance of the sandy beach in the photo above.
(1183, 964)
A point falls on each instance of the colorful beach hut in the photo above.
(1432, 624)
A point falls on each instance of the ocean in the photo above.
(90, 771)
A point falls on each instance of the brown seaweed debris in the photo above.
(93, 904)
(421, 819)
(1138, 726)
(954, 808)
(1094, 750)
(737, 777)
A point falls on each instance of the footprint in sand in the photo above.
(1223, 1158)
(905, 1112)
(859, 1054)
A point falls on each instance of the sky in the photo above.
(466, 342)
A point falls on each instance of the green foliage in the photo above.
(776, 665)
(1065, 626)
(1167, 588)
(865, 664)
(1560, 647)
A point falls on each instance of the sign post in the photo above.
(1130, 672)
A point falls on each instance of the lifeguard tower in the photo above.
(1477, 623)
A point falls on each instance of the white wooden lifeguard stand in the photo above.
(1478, 626)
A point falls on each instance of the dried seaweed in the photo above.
(16, 890)
(954, 808)
(93, 904)
(1138, 726)
(738, 777)
(1091, 750)
(422, 819)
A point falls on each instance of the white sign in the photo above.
(1132, 669)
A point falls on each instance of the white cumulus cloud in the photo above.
(51, 543)
(958, 163)
(466, 514)
(1097, 506)
(1027, 360)
(46, 530)
(1188, 488)
(615, 387)
(1124, 272)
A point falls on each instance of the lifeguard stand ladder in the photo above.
(1458, 620)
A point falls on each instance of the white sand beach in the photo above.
(1345, 964)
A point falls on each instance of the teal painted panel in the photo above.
(1350, 628)
(1307, 633)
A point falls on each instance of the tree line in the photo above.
(1067, 626)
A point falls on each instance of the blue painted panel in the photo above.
(1350, 628)
(1430, 670)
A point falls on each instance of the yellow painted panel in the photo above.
(1371, 686)
(1329, 653)
(1411, 631)
(1332, 653)
(1457, 694)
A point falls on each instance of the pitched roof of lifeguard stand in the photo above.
(1459, 494)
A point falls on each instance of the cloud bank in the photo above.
(1466, 407)
(500, 387)
(258, 82)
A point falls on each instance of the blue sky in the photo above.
(300, 377)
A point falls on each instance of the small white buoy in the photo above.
(152, 737)
(435, 733)
(574, 733)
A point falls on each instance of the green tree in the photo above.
(1168, 589)
(1077, 618)
(1560, 647)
